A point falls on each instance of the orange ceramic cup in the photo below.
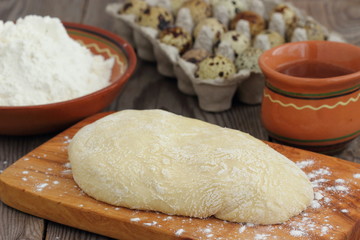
(319, 114)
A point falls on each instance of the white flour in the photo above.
(40, 64)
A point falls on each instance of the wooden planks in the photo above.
(15, 224)
(24, 226)
(41, 184)
(70, 11)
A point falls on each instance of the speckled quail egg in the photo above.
(215, 67)
(156, 17)
(177, 37)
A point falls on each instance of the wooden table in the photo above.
(146, 89)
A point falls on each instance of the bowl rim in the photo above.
(291, 81)
(128, 51)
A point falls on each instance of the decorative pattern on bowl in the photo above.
(98, 49)
(99, 44)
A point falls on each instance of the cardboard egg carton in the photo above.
(214, 95)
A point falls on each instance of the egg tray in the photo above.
(214, 95)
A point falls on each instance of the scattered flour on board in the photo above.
(41, 64)
(305, 163)
(67, 171)
(297, 233)
(242, 229)
(302, 227)
(261, 236)
(207, 230)
(168, 218)
(340, 181)
(338, 188)
(305, 224)
(153, 223)
(135, 219)
(67, 165)
(179, 232)
(324, 230)
(41, 186)
(318, 196)
(67, 139)
(357, 175)
(315, 204)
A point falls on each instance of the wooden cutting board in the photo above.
(41, 184)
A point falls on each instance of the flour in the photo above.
(261, 236)
(153, 223)
(305, 163)
(179, 232)
(41, 64)
(297, 233)
(135, 219)
(41, 186)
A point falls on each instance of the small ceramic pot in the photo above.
(319, 114)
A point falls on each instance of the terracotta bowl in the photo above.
(39, 119)
(319, 114)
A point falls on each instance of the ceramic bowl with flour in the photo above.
(68, 88)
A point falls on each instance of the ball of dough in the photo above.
(156, 160)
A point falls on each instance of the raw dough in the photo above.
(156, 160)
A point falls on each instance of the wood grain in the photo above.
(41, 184)
(23, 226)
(16, 224)
(94, 14)
(70, 11)
(57, 231)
